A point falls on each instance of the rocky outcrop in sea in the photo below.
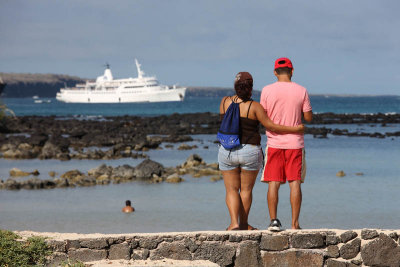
(147, 171)
(53, 137)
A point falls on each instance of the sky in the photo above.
(337, 47)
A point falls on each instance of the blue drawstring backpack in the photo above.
(228, 134)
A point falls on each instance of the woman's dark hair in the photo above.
(243, 89)
(128, 202)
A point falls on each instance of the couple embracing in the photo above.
(280, 111)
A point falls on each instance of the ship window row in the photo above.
(140, 86)
(133, 92)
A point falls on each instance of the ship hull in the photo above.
(98, 96)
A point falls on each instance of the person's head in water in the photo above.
(283, 69)
(243, 85)
(128, 207)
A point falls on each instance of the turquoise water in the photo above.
(368, 201)
(335, 104)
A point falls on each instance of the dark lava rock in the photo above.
(351, 249)
(124, 172)
(369, 234)
(38, 139)
(347, 236)
(382, 251)
(147, 168)
(55, 147)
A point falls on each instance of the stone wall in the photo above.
(365, 247)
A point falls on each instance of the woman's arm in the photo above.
(263, 118)
(221, 105)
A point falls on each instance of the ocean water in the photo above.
(367, 201)
(335, 104)
(353, 201)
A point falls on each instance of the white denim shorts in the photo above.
(248, 157)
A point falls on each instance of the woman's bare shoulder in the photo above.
(224, 101)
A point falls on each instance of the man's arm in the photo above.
(307, 116)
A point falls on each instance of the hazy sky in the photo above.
(337, 47)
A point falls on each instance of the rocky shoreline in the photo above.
(51, 137)
(148, 171)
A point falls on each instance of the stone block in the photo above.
(314, 240)
(174, 250)
(274, 242)
(235, 238)
(120, 251)
(248, 254)
(215, 237)
(85, 254)
(336, 263)
(58, 246)
(179, 237)
(116, 240)
(394, 236)
(98, 243)
(382, 251)
(356, 262)
(351, 249)
(252, 237)
(368, 234)
(73, 244)
(149, 243)
(190, 244)
(202, 238)
(347, 236)
(140, 254)
(332, 240)
(222, 254)
(332, 251)
(293, 258)
(134, 243)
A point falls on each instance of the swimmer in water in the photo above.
(128, 208)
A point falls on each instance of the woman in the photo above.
(240, 165)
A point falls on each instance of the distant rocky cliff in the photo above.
(43, 85)
(47, 85)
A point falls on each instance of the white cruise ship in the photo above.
(108, 90)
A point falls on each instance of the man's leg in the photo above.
(273, 197)
(295, 201)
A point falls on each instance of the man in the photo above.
(128, 208)
(285, 103)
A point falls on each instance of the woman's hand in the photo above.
(301, 128)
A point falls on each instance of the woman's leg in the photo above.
(233, 201)
(247, 180)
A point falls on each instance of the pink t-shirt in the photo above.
(284, 103)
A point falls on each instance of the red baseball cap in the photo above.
(283, 62)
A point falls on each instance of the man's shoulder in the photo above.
(271, 85)
(300, 87)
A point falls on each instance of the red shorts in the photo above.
(283, 165)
